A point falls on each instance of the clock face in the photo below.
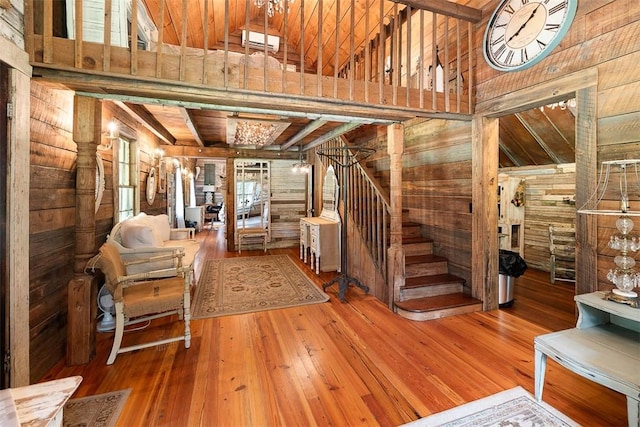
(521, 33)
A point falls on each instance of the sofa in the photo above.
(141, 238)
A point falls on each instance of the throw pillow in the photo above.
(135, 235)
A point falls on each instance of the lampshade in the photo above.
(616, 200)
(618, 184)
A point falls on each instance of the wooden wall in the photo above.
(52, 214)
(604, 38)
(52, 224)
(549, 200)
(11, 22)
(288, 204)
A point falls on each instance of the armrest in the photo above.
(175, 253)
(183, 233)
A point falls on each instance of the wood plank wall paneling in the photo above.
(604, 36)
(549, 192)
(288, 194)
(51, 230)
(52, 214)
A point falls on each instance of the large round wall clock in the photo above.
(521, 33)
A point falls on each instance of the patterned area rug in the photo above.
(101, 410)
(244, 285)
(510, 408)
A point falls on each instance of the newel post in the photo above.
(396, 274)
(87, 123)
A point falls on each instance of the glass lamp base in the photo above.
(627, 294)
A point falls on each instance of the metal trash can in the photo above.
(511, 266)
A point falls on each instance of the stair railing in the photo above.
(369, 209)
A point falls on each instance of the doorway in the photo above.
(582, 86)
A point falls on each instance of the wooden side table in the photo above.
(603, 347)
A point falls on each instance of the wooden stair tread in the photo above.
(415, 239)
(435, 279)
(422, 259)
(438, 302)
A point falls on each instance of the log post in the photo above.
(87, 124)
(396, 273)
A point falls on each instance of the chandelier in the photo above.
(563, 105)
(302, 166)
(273, 6)
(253, 132)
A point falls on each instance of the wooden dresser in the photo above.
(603, 347)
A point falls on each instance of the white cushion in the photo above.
(162, 227)
(136, 235)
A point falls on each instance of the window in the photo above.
(128, 204)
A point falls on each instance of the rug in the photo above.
(244, 285)
(101, 410)
(510, 408)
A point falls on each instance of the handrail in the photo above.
(372, 71)
(369, 209)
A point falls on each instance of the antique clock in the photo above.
(521, 33)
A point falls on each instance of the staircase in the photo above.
(429, 292)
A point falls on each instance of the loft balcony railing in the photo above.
(375, 52)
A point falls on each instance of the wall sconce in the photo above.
(112, 134)
(157, 155)
(624, 277)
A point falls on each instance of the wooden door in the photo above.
(4, 279)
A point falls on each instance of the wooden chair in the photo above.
(562, 246)
(144, 296)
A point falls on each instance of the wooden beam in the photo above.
(447, 8)
(188, 119)
(316, 124)
(140, 113)
(227, 152)
(340, 130)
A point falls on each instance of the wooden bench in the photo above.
(603, 347)
(247, 233)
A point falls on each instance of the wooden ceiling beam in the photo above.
(339, 131)
(312, 126)
(188, 119)
(144, 116)
(227, 153)
(444, 7)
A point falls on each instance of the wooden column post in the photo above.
(230, 205)
(87, 123)
(484, 245)
(396, 273)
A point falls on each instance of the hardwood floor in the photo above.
(353, 363)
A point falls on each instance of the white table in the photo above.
(38, 405)
(603, 347)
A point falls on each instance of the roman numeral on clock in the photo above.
(558, 8)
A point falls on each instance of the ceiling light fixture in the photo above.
(273, 6)
(302, 166)
(253, 132)
(563, 105)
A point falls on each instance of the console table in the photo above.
(603, 347)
